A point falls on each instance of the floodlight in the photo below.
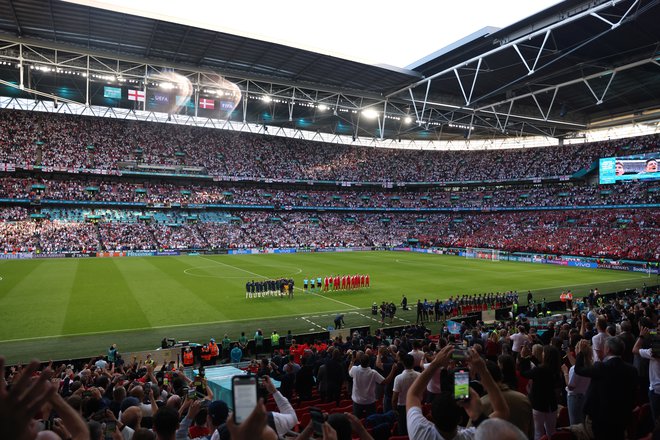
(266, 98)
(370, 113)
(407, 119)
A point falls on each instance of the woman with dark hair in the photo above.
(546, 378)
(576, 385)
(508, 367)
(493, 347)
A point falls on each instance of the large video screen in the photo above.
(642, 167)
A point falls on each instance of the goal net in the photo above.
(483, 254)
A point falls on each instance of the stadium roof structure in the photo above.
(574, 66)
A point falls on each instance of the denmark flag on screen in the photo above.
(135, 95)
(206, 103)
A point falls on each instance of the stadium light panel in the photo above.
(370, 113)
(266, 98)
(322, 107)
(407, 119)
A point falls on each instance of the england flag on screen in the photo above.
(207, 104)
(135, 95)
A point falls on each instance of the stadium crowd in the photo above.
(155, 192)
(585, 374)
(614, 234)
(65, 141)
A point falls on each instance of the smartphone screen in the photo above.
(317, 422)
(110, 427)
(244, 396)
(461, 385)
(192, 393)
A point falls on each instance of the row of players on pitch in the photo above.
(337, 282)
(281, 287)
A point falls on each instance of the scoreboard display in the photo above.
(642, 167)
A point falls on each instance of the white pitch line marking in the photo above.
(312, 322)
(126, 330)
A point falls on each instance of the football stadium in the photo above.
(192, 218)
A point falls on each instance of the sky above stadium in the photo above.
(374, 32)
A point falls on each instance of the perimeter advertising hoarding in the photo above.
(642, 167)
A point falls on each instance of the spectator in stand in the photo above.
(335, 374)
(654, 369)
(445, 411)
(546, 380)
(520, 340)
(25, 398)
(611, 396)
(285, 418)
(576, 385)
(402, 383)
(598, 341)
(365, 380)
(520, 408)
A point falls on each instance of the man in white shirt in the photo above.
(101, 363)
(401, 385)
(417, 354)
(518, 340)
(285, 418)
(654, 371)
(365, 380)
(598, 341)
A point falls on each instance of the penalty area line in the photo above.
(312, 322)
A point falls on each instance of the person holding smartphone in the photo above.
(446, 411)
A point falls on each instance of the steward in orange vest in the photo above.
(569, 300)
(206, 355)
(188, 357)
(215, 351)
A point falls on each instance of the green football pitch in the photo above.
(64, 308)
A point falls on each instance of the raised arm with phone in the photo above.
(445, 410)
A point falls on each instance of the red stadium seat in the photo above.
(303, 421)
(326, 406)
(562, 435)
(342, 409)
(562, 417)
(308, 403)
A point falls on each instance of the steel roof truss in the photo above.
(600, 100)
(547, 113)
(618, 23)
(514, 43)
(110, 69)
(584, 79)
(467, 98)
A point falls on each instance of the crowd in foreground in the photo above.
(587, 375)
(613, 234)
